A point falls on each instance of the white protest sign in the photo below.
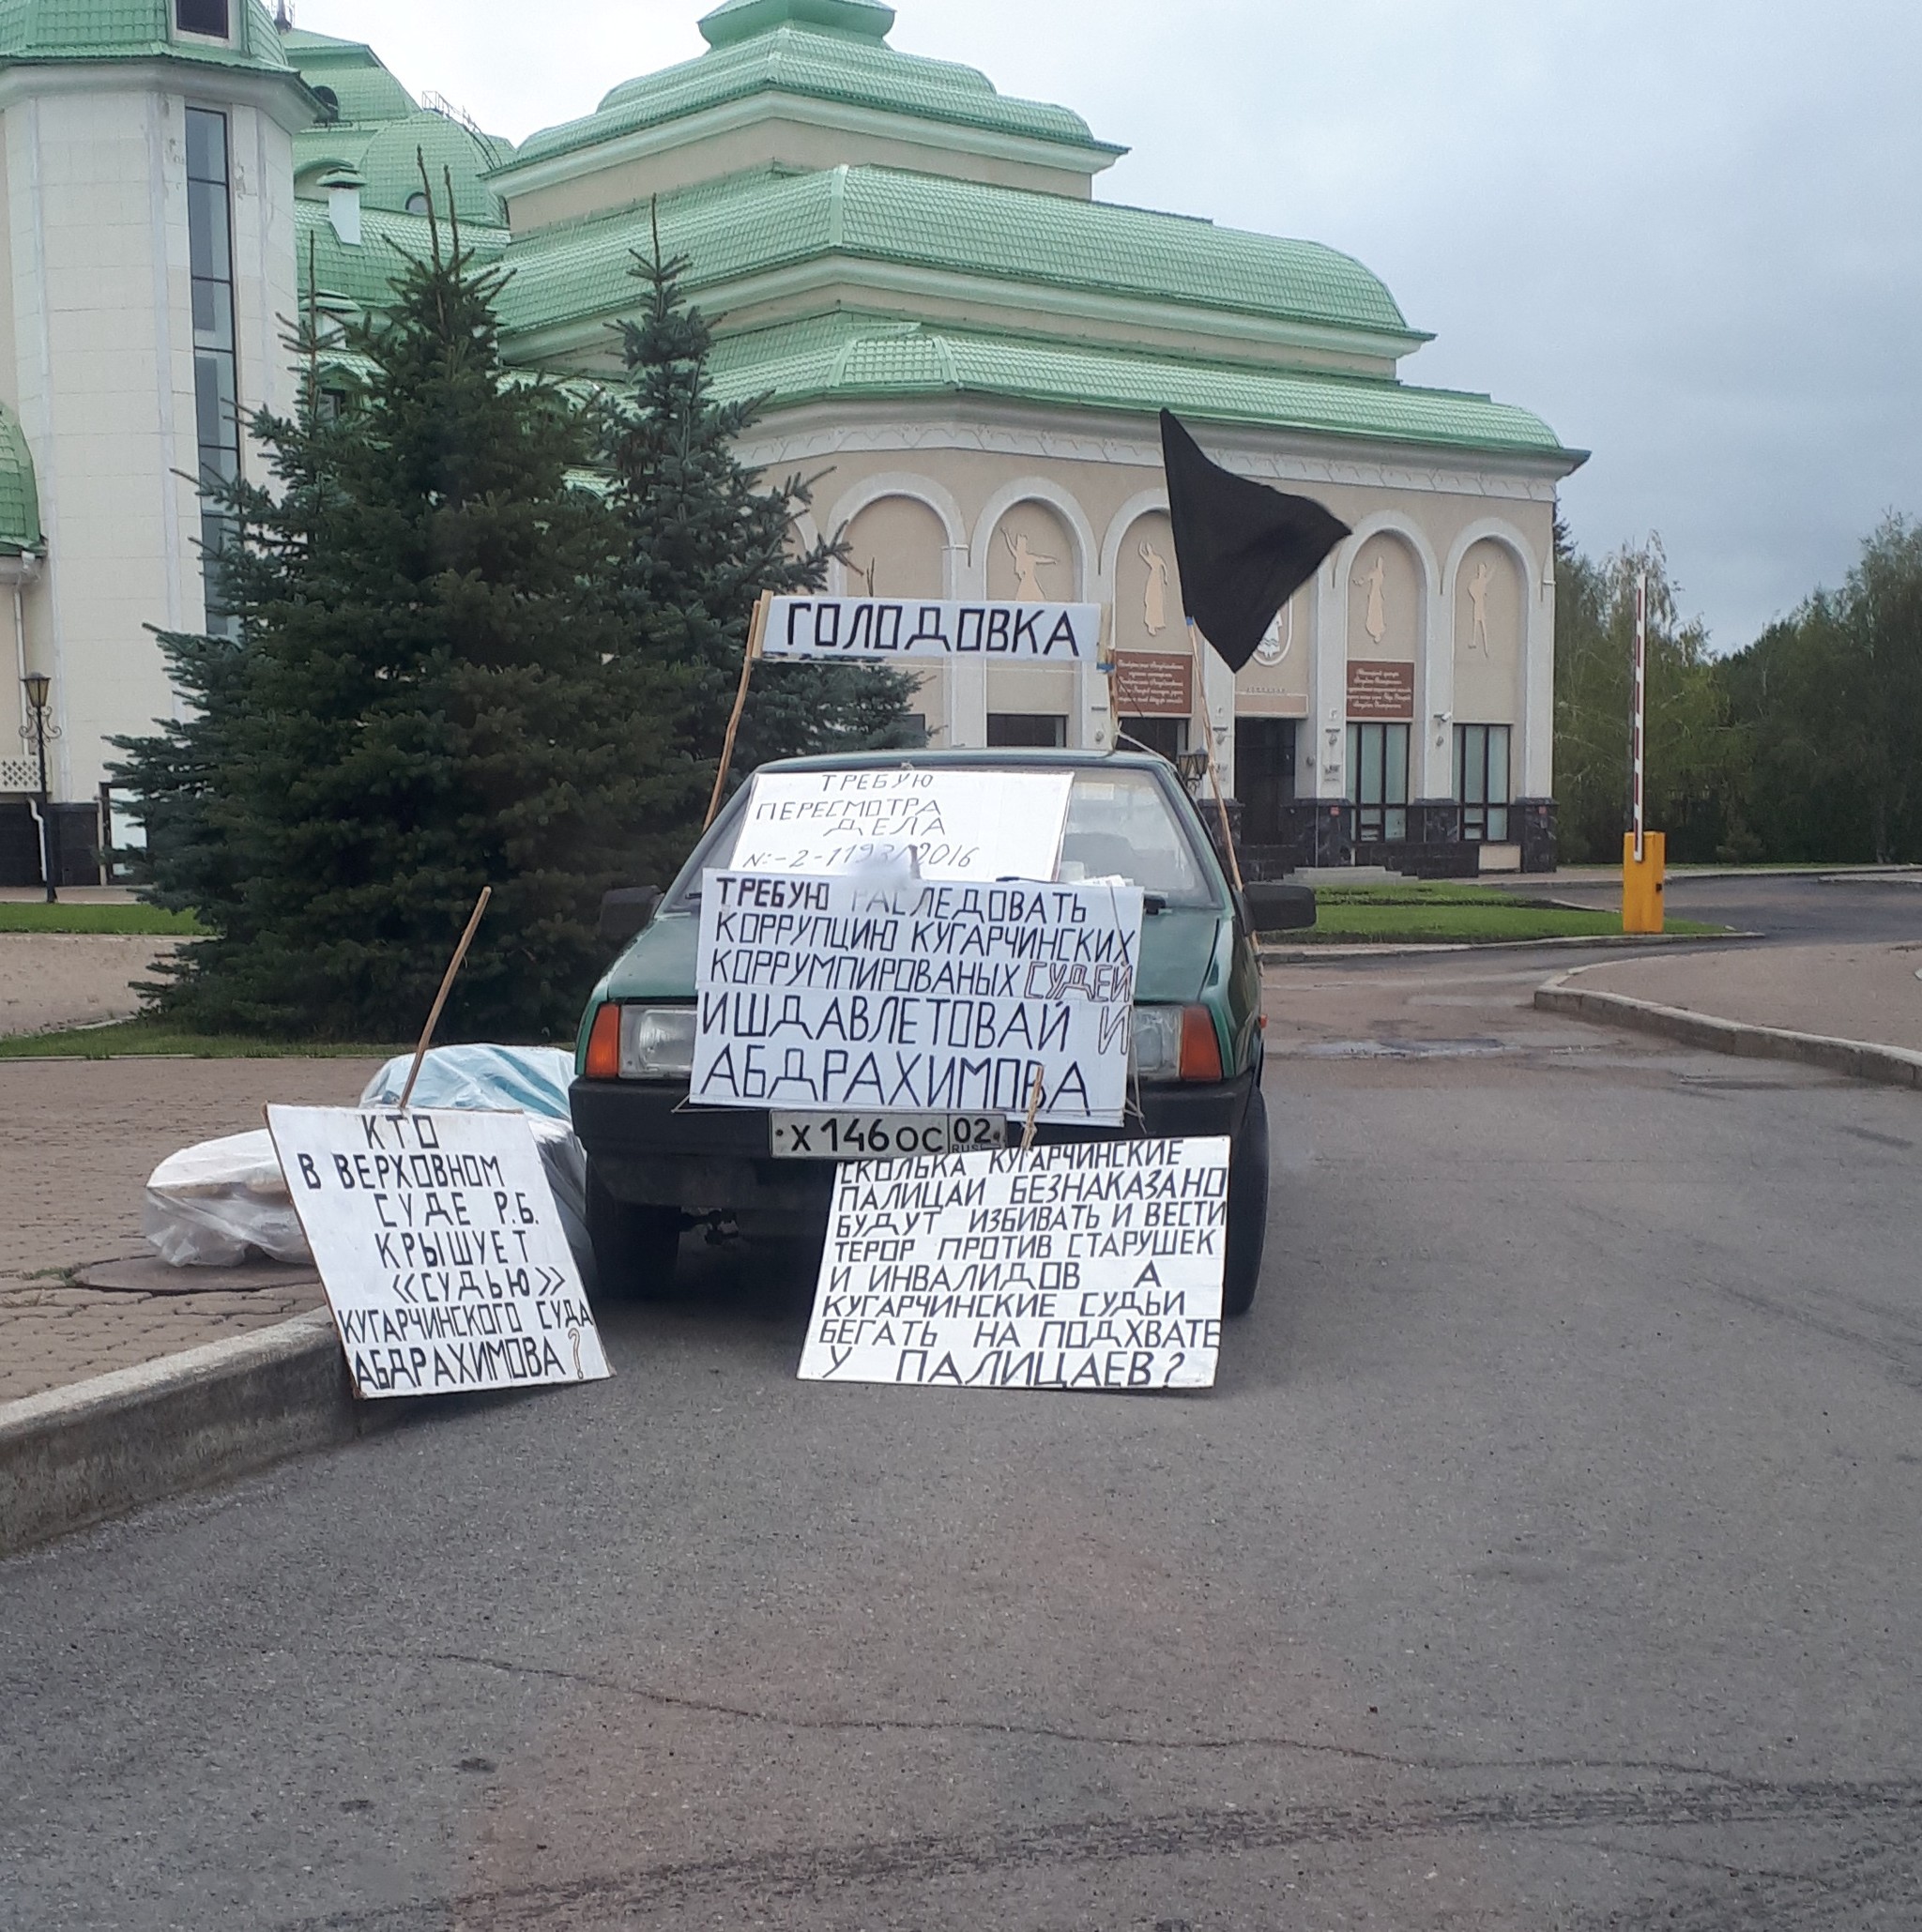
(914, 996)
(1094, 1266)
(437, 1241)
(959, 825)
(881, 628)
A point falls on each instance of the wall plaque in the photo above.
(1155, 684)
(1381, 692)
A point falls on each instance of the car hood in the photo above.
(1178, 950)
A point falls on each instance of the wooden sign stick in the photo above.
(755, 631)
(446, 986)
(1033, 1111)
(1227, 836)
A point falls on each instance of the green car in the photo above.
(657, 1167)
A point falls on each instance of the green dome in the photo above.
(830, 51)
(741, 20)
(389, 165)
(70, 30)
(20, 498)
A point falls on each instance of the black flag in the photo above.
(1243, 549)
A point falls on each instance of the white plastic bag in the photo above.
(223, 1203)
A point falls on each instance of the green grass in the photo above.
(128, 1039)
(65, 917)
(1412, 912)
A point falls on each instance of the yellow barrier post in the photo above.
(1642, 880)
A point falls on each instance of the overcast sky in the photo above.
(1686, 231)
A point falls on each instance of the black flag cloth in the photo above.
(1243, 549)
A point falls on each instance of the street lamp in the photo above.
(36, 684)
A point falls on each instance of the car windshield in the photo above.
(1121, 825)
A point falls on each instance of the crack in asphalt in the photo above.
(615, 1896)
(1127, 1741)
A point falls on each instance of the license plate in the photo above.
(883, 1136)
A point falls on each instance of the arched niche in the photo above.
(1030, 556)
(1386, 595)
(1148, 587)
(896, 547)
(1490, 635)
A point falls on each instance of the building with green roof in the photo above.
(148, 204)
(946, 324)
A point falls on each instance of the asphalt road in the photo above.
(1784, 907)
(1547, 1559)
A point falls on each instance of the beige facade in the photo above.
(1450, 570)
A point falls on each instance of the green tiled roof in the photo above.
(19, 497)
(68, 30)
(816, 64)
(365, 275)
(753, 224)
(845, 357)
(362, 87)
(740, 20)
(389, 165)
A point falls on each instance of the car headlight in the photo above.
(657, 1043)
(1175, 1043)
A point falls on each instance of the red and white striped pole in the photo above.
(1637, 730)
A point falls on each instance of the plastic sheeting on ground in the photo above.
(226, 1201)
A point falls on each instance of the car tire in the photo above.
(636, 1249)
(1247, 1209)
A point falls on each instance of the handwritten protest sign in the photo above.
(440, 1249)
(869, 627)
(1096, 1266)
(959, 825)
(912, 997)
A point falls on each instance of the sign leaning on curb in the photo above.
(440, 1249)
(1094, 1266)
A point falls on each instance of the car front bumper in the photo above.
(648, 1147)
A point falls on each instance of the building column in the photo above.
(967, 678)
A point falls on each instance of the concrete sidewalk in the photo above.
(1869, 992)
(81, 1137)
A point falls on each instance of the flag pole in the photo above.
(756, 630)
(1228, 834)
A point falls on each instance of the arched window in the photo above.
(418, 203)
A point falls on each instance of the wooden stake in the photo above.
(1033, 1110)
(446, 986)
(755, 631)
(1228, 835)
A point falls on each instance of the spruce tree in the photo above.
(706, 536)
(427, 692)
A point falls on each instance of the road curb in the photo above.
(98, 1449)
(1859, 1060)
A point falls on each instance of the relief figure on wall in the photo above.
(1154, 597)
(1478, 604)
(1026, 584)
(1275, 647)
(1374, 579)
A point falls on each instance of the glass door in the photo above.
(1377, 781)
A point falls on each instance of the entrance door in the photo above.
(1377, 781)
(1264, 777)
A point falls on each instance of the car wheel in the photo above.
(1247, 1209)
(634, 1248)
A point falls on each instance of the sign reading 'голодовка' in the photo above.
(1090, 1266)
(869, 627)
(914, 996)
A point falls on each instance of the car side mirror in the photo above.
(625, 914)
(1276, 906)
